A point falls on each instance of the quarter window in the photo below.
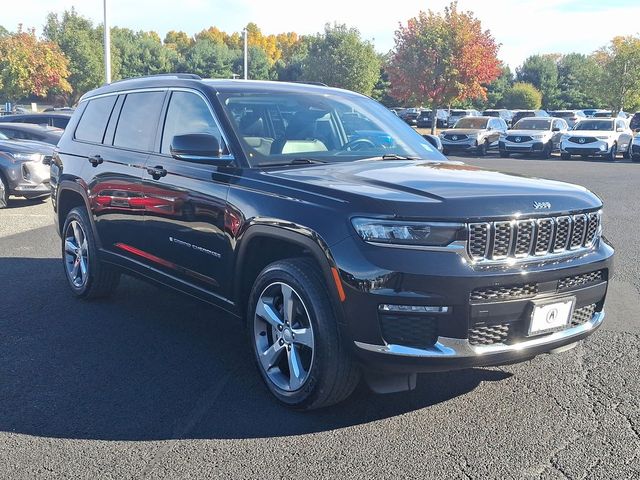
(94, 119)
(138, 120)
(188, 113)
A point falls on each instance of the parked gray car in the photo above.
(29, 131)
(473, 134)
(24, 169)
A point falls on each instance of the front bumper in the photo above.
(29, 180)
(597, 149)
(522, 147)
(373, 276)
(463, 145)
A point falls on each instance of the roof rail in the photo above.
(191, 76)
(320, 84)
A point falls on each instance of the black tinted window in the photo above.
(188, 113)
(94, 119)
(138, 120)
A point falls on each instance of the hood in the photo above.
(436, 190)
(590, 133)
(463, 131)
(25, 146)
(528, 133)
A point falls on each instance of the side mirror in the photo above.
(197, 147)
(555, 129)
(619, 129)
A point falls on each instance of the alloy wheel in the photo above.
(283, 336)
(76, 253)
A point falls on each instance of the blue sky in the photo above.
(523, 27)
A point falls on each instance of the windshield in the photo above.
(604, 125)
(458, 113)
(472, 122)
(282, 127)
(531, 124)
(564, 114)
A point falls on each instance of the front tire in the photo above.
(4, 192)
(295, 339)
(565, 156)
(611, 156)
(483, 148)
(87, 276)
(504, 154)
(546, 151)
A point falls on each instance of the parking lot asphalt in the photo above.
(152, 384)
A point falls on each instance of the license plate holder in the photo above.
(550, 315)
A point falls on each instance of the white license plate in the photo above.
(550, 317)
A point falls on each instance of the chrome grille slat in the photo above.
(532, 238)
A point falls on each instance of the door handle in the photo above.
(157, 172)
(95, 160)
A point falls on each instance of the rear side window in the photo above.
(94, 119)
(188, 113)
(138, 120)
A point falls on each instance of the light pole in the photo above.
(107, 46)
(246, 41)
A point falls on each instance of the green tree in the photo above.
(139, 53)
(81, 43)
(619, 85)
(522, 96)
(541, 71)
(31, 67)
(497, 89)
(258, 62)
(210, 59)
(578, 79)
(341, 58)
(442, 58)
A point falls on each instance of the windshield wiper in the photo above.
(295, 161)
(391, 156)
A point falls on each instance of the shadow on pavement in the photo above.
(150, 364)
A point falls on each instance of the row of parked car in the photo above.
(543, 135)
(445, 118)
(27, 141)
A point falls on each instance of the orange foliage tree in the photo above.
(442, 58)
(29, 67)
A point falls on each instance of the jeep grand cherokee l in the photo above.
(344, 252)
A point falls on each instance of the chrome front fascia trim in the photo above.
(461, 348)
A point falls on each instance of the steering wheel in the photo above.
(358, 144)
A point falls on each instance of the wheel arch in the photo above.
(69, 196)
(261, 245)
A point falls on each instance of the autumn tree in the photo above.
(339, 57)
(523, 96)
(31, 67)
(620, 82)
(442, 58)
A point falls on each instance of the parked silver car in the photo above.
(473, 134)
(533, 135)
(570, 116)
(600, 137)
(455, 115)
(24, 169)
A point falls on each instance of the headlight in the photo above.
(28, 157)
(435, 234)
(602, 137)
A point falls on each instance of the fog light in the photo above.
(413, 308)
(26, 174)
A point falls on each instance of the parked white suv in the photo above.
(599, 137)
(537, 135)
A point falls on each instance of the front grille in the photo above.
(512, 292)
(518, 138)
(576, 281)
(410, 330)
(582, 140)
(495, 241)
(489, 335)
(583, 315)
(455, 138)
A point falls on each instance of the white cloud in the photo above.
(523, 27)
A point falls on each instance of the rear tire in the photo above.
(4, 192)
(627, 155)
(483, 148)
(88, 277)
(635, 158)
(327, 374)
(546, 151)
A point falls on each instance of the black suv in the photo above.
(345, 248)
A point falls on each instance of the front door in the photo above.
(185, 202)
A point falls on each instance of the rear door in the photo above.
(186, 201)
(115, 162)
